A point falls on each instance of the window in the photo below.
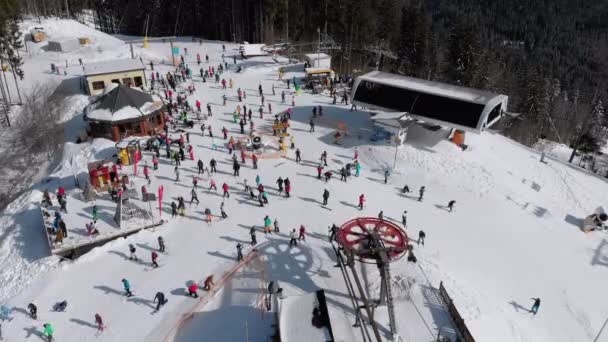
(138, 81)
(116, 80)
(128, 81)
(99, 85)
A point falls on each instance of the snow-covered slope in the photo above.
(513, 234)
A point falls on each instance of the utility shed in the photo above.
(99, 75)
(440, 103)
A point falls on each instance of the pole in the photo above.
(179, 6)
(172, 54)
(132, 54)
(395, 159)
(319, 48)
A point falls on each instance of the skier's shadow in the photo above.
(85, 323)
(145, 246)
(119, 254)
(34, 331)
(349, 204)
(230, 238)
(442, 207)
(518, 306)
(144, 301)
(311, 200)
(108, 289)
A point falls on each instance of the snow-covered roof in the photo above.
(432, 87)
(434, 102)
(313, 56)
(112, 66)
(317, 70)
(252, 50)
(121, 104)
(295, 315)
(62, 40)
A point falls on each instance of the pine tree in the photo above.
(412, 42)
(464, 56)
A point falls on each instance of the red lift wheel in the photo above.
(355, 234)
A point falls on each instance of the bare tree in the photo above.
(32, 141)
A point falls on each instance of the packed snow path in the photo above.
(512, 235)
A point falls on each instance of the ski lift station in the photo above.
(406, 101)
(318, 60)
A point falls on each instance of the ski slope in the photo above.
(512, 235)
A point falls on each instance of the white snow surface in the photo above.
(110, 66)
(513, 235)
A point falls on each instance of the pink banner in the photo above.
(161, 190)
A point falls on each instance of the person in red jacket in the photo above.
(319, 171)
(192, 290)
(198, 105)
(225, 188)
(361, 201)
(147, 173)
(243, 156)
(302, 233)
(254, 159)
(154, 257)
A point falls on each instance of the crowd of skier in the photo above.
(181, 153)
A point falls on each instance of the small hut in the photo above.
(123, 112)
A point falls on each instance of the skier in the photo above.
(225, 188)
(283, 96)
(302, 235)
(161, 244)
(312, 126)
(192, 290)
(254, 240)
(236, 167)
(213, 163)
(343, 174)
(208, 284)
(193, 197)
(381, 215)
(280, 184)
(99, 322)
(451, 205)
(328, 175)
(361, 201)
(325, 196)
(154, 257)
(324, 158)
(254, 159)
(535, 306)
(132, 250)
(287, 187)
(208, 214)
(404, 218)
(258, 180)
(239, 252)
(212, 185)
(160, 298)
(298, 156)
(421, 192)
(386, 174)
(276, 225)
(48, 331)
(267, 225)
(421, 236)
(406, 189)
(147, 173)
(357, 168)
(173, 209)
(319, 171)
(33, 310)
(127, 286)
(292, 238)
(176, 174)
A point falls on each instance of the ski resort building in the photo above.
(98, 76)
(123, 111)
(448, 105)
(318, 60)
